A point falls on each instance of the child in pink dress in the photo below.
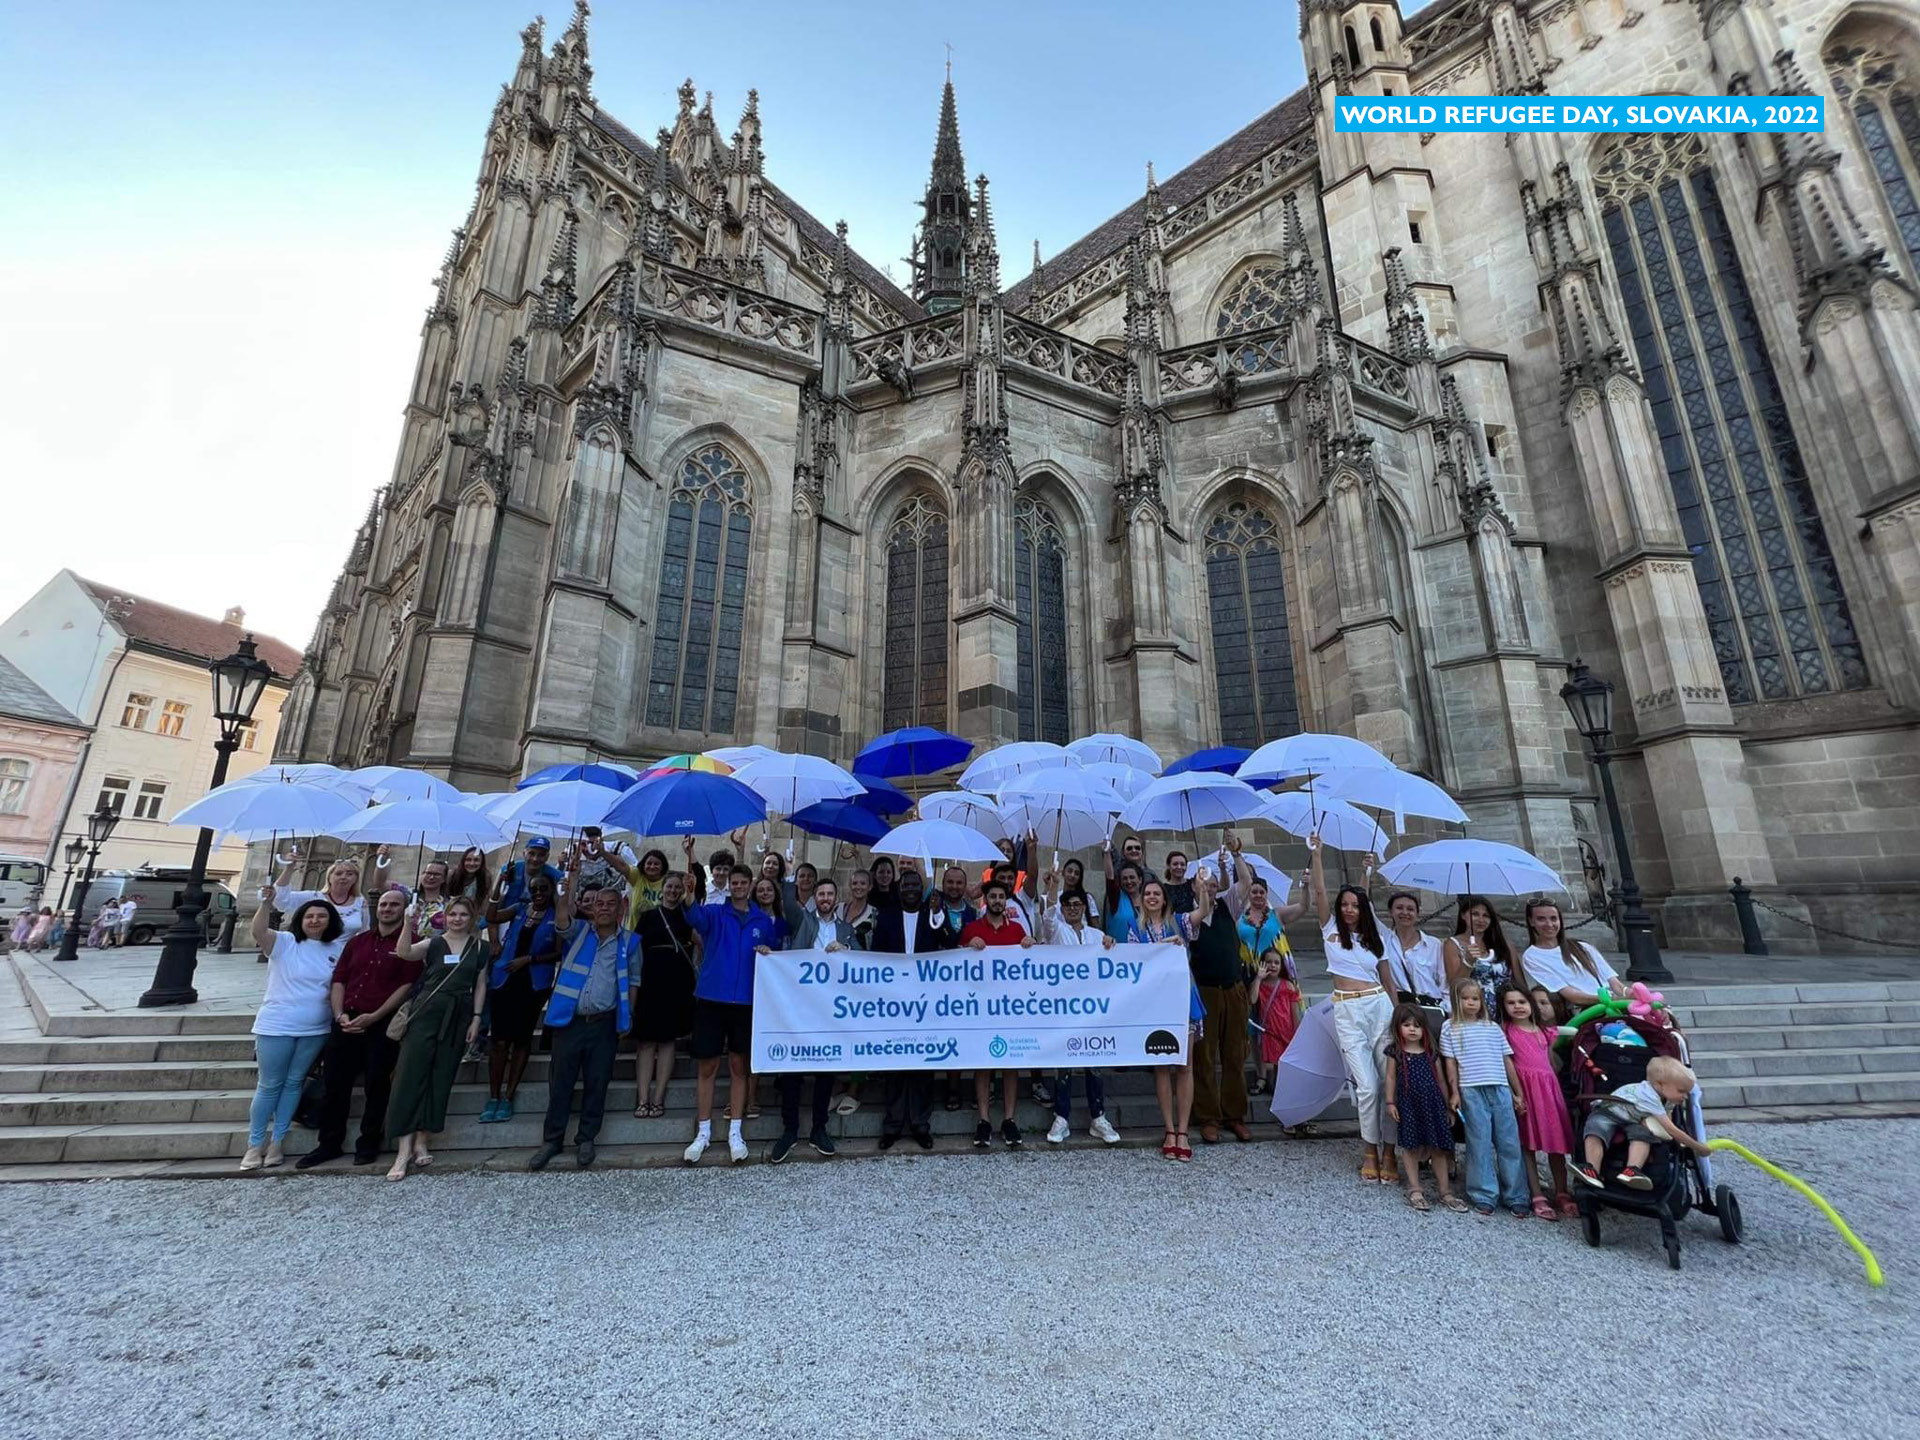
(1276, 1011)
(1545, 1126)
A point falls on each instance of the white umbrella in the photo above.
(1001, 766)
(930, 840)
(740, 756)
(1279, 883)
(963, 807)
(570, 805)
(1458, 867)
(1393, 790)
(397, 782)
(271, 809)
(1109, 749)
(437, 824)
(293, 774)
(793, 782)
(1193, 799)
(1124, 780)
(1309, 754)
(1065, 808)
(1300, 813)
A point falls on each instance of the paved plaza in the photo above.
(1261, 1291)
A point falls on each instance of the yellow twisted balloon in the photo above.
(1874, 1277)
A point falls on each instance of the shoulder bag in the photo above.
(403, 1017)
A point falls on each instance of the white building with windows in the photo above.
(1365, 433)
(135, 670)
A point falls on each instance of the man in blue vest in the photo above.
(586, 1017)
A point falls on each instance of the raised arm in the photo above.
(1242, 874)
(263, 922)
(1317, 879)
(288, 863)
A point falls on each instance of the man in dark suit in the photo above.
(915, 928)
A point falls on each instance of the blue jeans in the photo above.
(284, 1061)
(1063, 1094)
(1493, 1141)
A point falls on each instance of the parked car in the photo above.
(23, 881)
(157, 894)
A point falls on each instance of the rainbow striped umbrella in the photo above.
(701, 764)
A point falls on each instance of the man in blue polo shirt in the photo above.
(733, 932)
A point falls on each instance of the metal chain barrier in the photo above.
(1826, 929)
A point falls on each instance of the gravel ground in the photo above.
(1259, 1291)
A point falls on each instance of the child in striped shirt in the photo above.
(1484, 1088)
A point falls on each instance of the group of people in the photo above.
(36, 930)
(398, 987)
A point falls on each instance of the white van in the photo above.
(22, 882)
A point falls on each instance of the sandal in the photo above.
(1543, 1209)
(1569, 1207)
(1182, 1151)
(1454, 1203)
(1370, 1170)
(1167, 1148)
(1418, 1200)
(421, 1160)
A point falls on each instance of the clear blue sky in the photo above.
(227, 217)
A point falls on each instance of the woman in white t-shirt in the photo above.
(1568, 968)
(294, 1020)
(1363, 992)
(342, 891)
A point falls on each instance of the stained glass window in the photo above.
(1877, 87)
(1256, 301)
(1252, 641)
(694, 678)
(914, 668)
(1775, 610)
(1040, 597)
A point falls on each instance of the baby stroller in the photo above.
(1612, 1050)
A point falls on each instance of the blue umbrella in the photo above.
(881, 798)
(1224, 759)
(685, 802)
(841, 820)
(916, 750)
(611, 777)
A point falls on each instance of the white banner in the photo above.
(1051, 1007)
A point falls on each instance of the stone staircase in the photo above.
(106, 1092)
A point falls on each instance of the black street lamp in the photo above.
(238, 683)
(1590, 700)
(99, 826)
(75, 851)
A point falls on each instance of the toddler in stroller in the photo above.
(1630, 1109)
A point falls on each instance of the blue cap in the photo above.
(538, 842)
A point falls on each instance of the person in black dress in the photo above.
(663, 1001)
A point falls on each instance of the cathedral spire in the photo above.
(940, 245)
(526, 76)
(1406, 325)
(657, 235)
(570, 53)
(1303, 281)
(982, 249)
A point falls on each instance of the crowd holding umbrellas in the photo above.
(1066, 798)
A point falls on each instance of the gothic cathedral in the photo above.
(1366, 433)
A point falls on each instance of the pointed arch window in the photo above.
(1257, 300)
(1040, 597)
(1878, 87)
(914, 673)
(1768, 582)
(1252, 640)
(694, 680)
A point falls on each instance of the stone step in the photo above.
(1760, 1092)
(1779, 1013)
(43, 1144)
(66, 1050)
(1805, 1061)
(1713, 1039)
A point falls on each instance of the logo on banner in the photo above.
(813, 1052)
(997, 1047)
(776, 1051)
(1092, 1045)
(1162, 1042)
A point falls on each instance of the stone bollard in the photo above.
(1750, 938)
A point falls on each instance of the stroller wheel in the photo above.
(1590, 1225)
(1673, 1253)
(1727, 1206)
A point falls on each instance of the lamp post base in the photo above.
(179, 955)
(1644, 963)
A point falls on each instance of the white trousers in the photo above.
(1360, 1026)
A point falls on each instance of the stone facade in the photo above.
(1361, 433)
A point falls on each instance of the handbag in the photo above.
(401, 1018)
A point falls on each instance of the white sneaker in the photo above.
(1103, 1127)
(694, 1151)
(275, 1155)
(1059, 1130)
(253, 1158)
(736, 1149)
